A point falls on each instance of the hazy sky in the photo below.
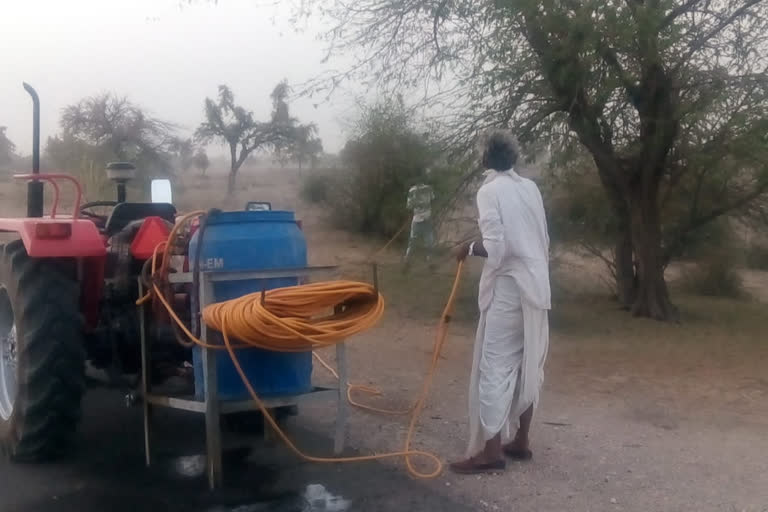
(163, 56)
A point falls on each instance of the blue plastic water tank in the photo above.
(252, 240)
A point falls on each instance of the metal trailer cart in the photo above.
(211, 405)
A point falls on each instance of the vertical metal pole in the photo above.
(35, 187)
(121, 193)
(212, 409)
(343, 406)
(342, 409)
(270, 436)
(146, 378)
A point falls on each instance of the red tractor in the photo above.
(68, 287)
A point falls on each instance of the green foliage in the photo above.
(579, 212)
(668, 98)
(382, 160)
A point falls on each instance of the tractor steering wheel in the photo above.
(99, 220)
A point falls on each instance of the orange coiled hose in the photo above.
(407, 453)
(298, 318)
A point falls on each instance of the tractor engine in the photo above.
(132, 231)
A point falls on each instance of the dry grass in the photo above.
(711, 364)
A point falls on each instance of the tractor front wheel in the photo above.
(42, 356)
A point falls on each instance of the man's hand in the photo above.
(462, 251)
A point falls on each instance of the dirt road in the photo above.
(108, 474)
(619, 429)
(588, 458)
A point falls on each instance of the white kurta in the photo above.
(514, 299)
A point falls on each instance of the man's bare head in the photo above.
(500, 152)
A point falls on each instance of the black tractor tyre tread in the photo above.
(50, 356)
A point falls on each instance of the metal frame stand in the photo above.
(211, 405)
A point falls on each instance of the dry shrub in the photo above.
(314, 188)
(757, 257)
(715, 276)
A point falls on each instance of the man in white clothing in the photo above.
(420, 197)
(514, 299)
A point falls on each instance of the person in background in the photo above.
(514, 299)
(420, 197)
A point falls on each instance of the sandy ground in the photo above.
(635, 415)
(615, 430)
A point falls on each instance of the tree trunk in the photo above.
(624, 262)
(232, 179)
(638, 255)
(623, 250)
(652, 295)
(231, 182)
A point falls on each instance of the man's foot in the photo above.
(517, 451)
(478, 465)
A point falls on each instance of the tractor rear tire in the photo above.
(43, 411)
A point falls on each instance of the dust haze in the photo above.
(164, 55)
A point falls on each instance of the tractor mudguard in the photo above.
(61, 238)
(57, 238)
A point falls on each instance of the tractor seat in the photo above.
(125, 213)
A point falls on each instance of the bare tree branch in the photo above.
(700, 42)
(677, 12)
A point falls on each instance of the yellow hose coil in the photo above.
(298, 318)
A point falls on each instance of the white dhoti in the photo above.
(508, 364)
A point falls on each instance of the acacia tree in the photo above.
(184, 150)
(7, 148)
(237, 127)
(301, 143)
(306, 146)
(107, 126)
(668, 97)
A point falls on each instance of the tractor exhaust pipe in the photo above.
(35, 187)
